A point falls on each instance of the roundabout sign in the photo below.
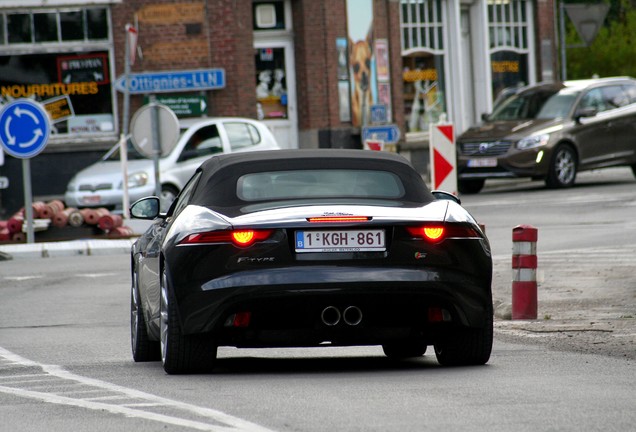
(24, 128)
(24, 132)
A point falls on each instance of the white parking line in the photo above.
(205, 419)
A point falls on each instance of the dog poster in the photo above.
(362, 69)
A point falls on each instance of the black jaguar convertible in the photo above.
(304, 248)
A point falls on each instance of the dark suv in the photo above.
(552, 131)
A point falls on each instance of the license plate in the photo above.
(340, 241)
(92, 199)
(482, 163)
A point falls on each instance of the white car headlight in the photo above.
(533, 141)
(137, 179)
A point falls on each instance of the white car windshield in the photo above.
(133, 154)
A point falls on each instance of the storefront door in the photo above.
(276, 89)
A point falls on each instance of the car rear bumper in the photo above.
(286, 305)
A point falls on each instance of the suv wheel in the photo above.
(562, 171)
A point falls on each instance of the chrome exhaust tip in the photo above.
(352, 315)
(330, 316)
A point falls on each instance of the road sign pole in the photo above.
(156, 143)
(28, 200)
(123, 143)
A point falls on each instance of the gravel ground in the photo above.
(586, 302)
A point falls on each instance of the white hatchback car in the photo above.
(101, 185)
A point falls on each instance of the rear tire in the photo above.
(466, 347)
(402, 350)
(471, 186)
(562, 171)
(181, 354)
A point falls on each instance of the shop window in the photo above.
(19, 28)
(424, 96)
(422, 62)
(62, 60)
(45, 25)
(271, 83)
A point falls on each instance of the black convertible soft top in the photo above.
(217, 185)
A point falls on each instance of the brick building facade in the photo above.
(307, 43)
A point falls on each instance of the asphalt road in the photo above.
(65, 360)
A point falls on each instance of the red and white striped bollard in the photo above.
(524, 272)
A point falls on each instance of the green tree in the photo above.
(613, 52)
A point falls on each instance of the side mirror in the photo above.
(585, 112)
(443, 195)
(145, 208)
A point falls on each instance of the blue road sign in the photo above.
(390, 133)
(172, 81)
(24, 128)
(378, 114)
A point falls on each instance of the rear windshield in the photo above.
(281, 185)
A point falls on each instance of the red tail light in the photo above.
(435, 233)
(339, 219)
(241, 238)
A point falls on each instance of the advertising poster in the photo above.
(362, 73)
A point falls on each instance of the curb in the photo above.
(62, 249)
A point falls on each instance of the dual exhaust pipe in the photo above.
(331, 316)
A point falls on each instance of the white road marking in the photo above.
(21, 278)
(208, 419)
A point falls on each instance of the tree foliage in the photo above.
(613, 52)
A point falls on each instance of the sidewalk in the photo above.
(86, 246)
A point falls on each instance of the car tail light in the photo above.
(241, 238)
(339, 219)
(435, 233)
(239, 320)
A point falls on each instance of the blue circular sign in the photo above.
(24, 128)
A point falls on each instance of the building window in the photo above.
(55, 26)
(421, 23)
(45, 25)
(508, 25)
(269, 15)
(19, 28)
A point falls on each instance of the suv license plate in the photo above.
(482, 163)
(341, 241)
